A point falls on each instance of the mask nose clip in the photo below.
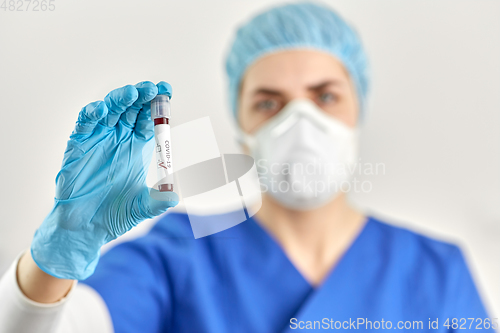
(285, 125)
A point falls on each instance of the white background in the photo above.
(434, 115)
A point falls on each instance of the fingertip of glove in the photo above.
(164, 88)
(144, 84)
(147, 88)
(164, 196)
(130, 94)
(93, 112)
(100, 110)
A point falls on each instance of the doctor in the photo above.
(308, 260)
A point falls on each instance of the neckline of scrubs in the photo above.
(348, 253)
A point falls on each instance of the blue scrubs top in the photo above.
(240, 280)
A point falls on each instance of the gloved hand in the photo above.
(101, 190)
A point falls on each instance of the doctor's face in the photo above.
(271, 82)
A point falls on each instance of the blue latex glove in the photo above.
(101, 190)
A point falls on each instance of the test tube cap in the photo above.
(160, 107)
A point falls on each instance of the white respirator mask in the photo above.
(304, 156)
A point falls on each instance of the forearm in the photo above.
(19, 314)
(79, 310)
(38, 285)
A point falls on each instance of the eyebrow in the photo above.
(314, 87)
(324, 84)
(267, 91)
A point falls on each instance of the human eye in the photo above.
(326, 98)
(267, 105)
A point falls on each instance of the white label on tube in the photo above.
(163, 151)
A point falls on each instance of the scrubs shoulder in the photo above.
(240, 280)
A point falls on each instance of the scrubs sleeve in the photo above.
(465, 302)
(132, 280)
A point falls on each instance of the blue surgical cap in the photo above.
(295, 26)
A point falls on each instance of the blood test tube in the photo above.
(160, 114)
